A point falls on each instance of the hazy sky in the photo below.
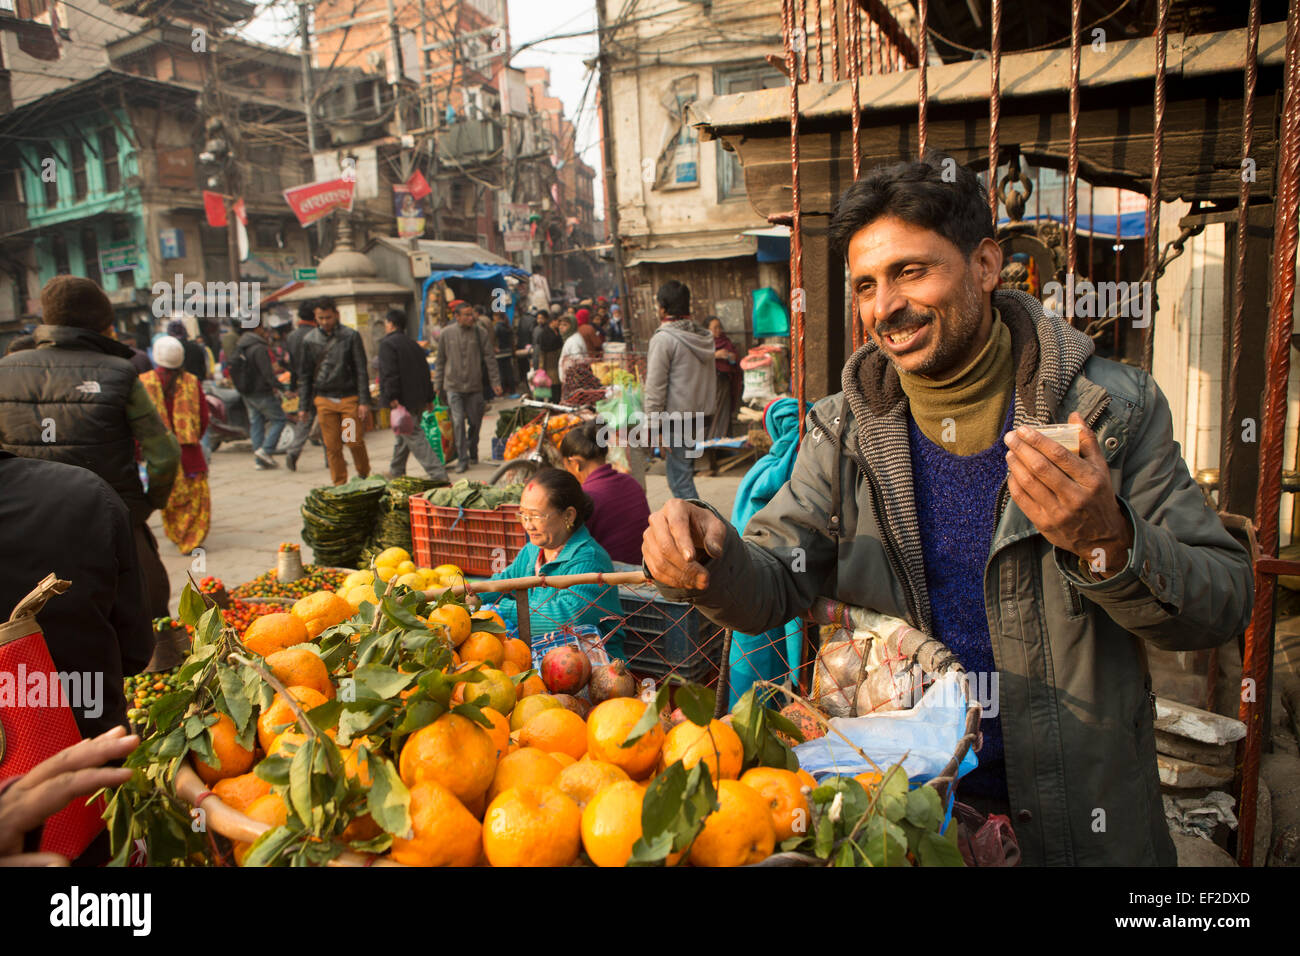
(530, 21)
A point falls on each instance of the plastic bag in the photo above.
(864, 665)
(401, 421)
(929, 734)
(436, 425)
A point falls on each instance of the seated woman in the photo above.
(554, 510)
(621, 512)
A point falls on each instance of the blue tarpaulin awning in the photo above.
(1132, 225)
(495, 275)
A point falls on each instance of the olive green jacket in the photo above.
(1073, 687)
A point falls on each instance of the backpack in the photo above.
(241, 371)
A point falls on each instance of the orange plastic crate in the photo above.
(477, 540)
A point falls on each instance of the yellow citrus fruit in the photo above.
(584, 779)
(444, 832)
(556, 729)
(525, 767)
(274, 632)
(270, 810)
(453, 751)
(238, 793)
(322, 610)
(406, 567)
(385, 572)
(392, 557)
(532, 826)
(233, 760)
(456, 619)
(357, 579)
(611, 823)
(498, 687)
(482, 646)
(411, 580)
(528, 708)
(358, 595)
(739, 832)
(301, 667)
(607, 728)
(280, 716)
(446, 570)
(785, 798)
(717, 745)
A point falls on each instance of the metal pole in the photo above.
(607, 155)
(308, 98)
(1157, 160)
(1237, 319)
(853, 27)
(797, 297)
(1072, 173)
(995, 104)
(1286, 233)
(395, 67)
(821, 65)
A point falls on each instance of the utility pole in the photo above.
(395, 67)
(220, 153)
(607, 152)
(308, 98)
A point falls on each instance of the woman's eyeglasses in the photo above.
(533, 517)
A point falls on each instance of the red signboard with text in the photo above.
(317, 200)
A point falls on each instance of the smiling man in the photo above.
(924, 491)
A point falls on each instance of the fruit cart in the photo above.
(543, 724)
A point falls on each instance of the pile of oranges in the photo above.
(536, 784)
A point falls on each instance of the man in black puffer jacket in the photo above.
(76, 398)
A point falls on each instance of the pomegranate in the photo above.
(671, 720)
(578, 705)
(611, 680)
(565, 670)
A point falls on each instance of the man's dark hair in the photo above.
(325, 302)
(674, 298)
(307, 310)
(581, 441)
(396, 318)
(563, 491)
(935, 193)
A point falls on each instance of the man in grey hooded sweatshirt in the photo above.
(679, 379)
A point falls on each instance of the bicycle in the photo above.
(545, 453)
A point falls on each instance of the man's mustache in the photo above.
(901, 322)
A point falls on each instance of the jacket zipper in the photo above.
(892, 551)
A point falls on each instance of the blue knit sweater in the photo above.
(956, 506)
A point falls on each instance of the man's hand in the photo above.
(1069, 497)
(302, 417)
(671, 544)
(496, 390)
(47, 788)
(363, 413)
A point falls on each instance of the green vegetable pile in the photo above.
(393, 523)
(475, 494)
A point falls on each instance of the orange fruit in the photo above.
(611, 823)
(529, 707)
(530, 686)
(444, 833)
(783, 792)
(868, 778)
(477, 806)
(290, 740)
(455, 619)
(808, 779)
(453, 751)
(270, 810)
(238, 793)
(527, 766)
(363, 827)
(556, 729)
(274, 632)
(607, 727)
(482, 646)
(500, 731)
(510, 668)
(532, 826)
(584, 779)
(498, 687)
(564, 759)
(279, 716)
(232, 759)
(301, 667)
(487, 614)
(739, 832)
(717, 745)
(517, 653)
(321, 610)
(356, 768)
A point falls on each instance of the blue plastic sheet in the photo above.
(927, 733)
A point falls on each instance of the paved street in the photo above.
(253, 511)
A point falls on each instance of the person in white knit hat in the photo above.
(178, 396)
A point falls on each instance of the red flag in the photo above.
(214, 205)
(418, 185)
(240, 212)
(317, 200)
